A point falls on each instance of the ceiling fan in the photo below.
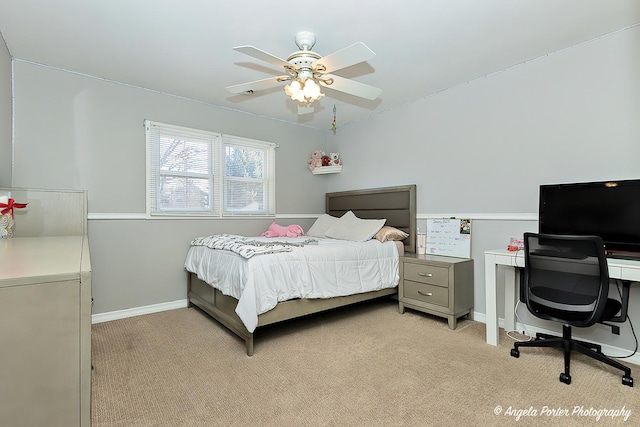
(307, 71)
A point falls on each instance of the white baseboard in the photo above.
(480, 317)
(138, 311)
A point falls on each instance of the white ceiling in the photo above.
(185, 47)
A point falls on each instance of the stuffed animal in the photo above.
(326, 161)
(315, 160)
(276, 230)
(335, 159)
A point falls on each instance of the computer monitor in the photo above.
(609, 209)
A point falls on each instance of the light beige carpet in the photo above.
(364, 365)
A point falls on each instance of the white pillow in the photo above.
(322, 224)
(350, 227)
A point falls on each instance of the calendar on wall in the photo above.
(449, 237)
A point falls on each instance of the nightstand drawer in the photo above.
(426, 274)
(426, 293)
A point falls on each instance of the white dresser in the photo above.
(45, 322)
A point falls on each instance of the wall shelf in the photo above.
(327, 169)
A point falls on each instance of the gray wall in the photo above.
(487, 145)
(74, 131)
(482, 149)
(5, 115)
(79, 132)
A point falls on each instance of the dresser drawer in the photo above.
(426, 274)
(426, 293)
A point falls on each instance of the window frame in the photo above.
(217, 173)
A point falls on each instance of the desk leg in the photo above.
(491, 302)
(510, 286)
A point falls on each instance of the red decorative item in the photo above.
(326, 160)
(10, 206)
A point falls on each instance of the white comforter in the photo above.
(329, 269)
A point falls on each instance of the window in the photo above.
(192, 172)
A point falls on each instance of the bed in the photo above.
(397, 205)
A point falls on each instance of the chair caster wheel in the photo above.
(564, 378)
(515, 352)
(627, 381)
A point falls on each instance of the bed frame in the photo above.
(396, 204)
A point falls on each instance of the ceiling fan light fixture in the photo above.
(306, 71)
(303, 90)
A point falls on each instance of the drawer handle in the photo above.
(424, 274)
(426, 294)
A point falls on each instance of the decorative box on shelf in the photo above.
(327, 169)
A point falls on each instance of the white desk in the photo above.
(502, 258)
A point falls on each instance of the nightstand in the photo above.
(437, 285)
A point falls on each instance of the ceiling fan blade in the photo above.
(350, 55)
(262, 55)
(305, 109)
(352, 87)
(257, 85)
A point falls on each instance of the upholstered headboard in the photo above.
(396, 204)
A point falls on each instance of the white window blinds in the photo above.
(249, 177)
(194, 172)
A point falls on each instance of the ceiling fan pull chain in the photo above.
(333, 125)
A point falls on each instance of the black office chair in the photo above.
(566, 279)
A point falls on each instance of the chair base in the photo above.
(567, 344)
